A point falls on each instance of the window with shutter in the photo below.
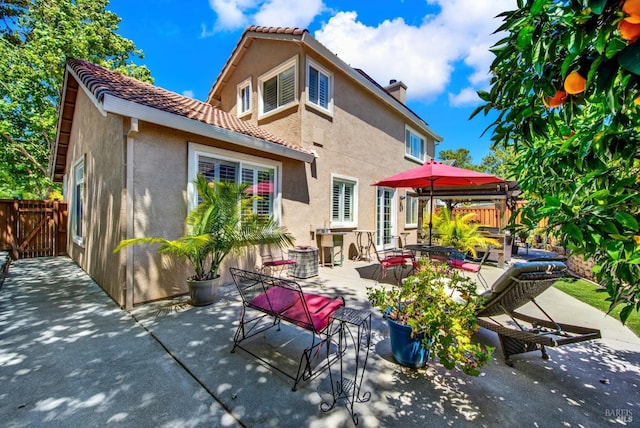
(244, 97)
(343, 202)
(277, 88)
(259, 176)
(411, 210)
(415, 145)
(319, 87)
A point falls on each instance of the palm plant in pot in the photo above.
(222, 223)
(432, 315)
(459, 232)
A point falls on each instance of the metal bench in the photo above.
(276, 300)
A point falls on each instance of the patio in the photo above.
(69, 355)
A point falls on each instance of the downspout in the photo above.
(128, 287)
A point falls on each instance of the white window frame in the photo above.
(329, 109)
(341, 222)
(197, 150)
(245, 84)
(75, 200)
(293, 62)
(407, 145)
(411, 204)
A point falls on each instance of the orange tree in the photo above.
(565, 92)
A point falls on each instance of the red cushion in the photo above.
(461, 264)
(279, 262)
(275, 300)
(393, 261)
(470, 267)
(456, 263)
(320, 307)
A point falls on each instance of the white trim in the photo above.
(292, 62)
(355, 181)
(406, 208)
(195, 150)
(246, 83)
(152, 115)
(311, 63)
(424, 148)
(79, 240)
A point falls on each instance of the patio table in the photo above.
(435, 252)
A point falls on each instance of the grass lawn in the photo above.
(591, 294)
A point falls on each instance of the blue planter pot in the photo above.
(407, 351)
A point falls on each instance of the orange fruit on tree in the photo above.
(637, 101)
(632, 8)
(574, 83)
(556, 101)
(629, 31)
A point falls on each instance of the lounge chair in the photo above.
(520, 333)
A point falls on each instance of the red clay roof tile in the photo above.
(101, 81)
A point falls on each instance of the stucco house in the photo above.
(284, 113)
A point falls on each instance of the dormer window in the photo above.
(244, 97)
(415, 145)
(278, 87)
(319, 87)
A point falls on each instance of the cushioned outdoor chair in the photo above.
(393, 259)
(520, 333)
(472, 266)
(275, 264)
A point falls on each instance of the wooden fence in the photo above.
(33, 228)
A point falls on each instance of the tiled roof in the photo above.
(276, 30)
(101, 81)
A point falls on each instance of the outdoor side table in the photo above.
(353, 327)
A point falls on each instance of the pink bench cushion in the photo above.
(393, 261)
(288, 304)
(275, 300)
(279, 262)
(461, 264)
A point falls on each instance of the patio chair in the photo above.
(395, 260)
(471, 266)
(275, 265)
(520, 333)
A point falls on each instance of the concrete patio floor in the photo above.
(70, 357)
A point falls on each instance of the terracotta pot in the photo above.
(204, 292)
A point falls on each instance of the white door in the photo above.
(386, 218)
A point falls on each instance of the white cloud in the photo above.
(231, 13)
(288, 13)
(422, 56)
(467, 96)
(188, 93)
(237, 14)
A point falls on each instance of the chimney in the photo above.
(398, 90)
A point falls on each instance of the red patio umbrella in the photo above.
(442, 175)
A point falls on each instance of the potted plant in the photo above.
(221, 223)
(432, 314)
(461, 233)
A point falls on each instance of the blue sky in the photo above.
(438, 48)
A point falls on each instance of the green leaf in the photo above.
(574, 232)
(537, 7)
(629, 58)
(625, 312)
(614, 46)
(552, 201)
(523, 41)
(627, 220)
(597, 6)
